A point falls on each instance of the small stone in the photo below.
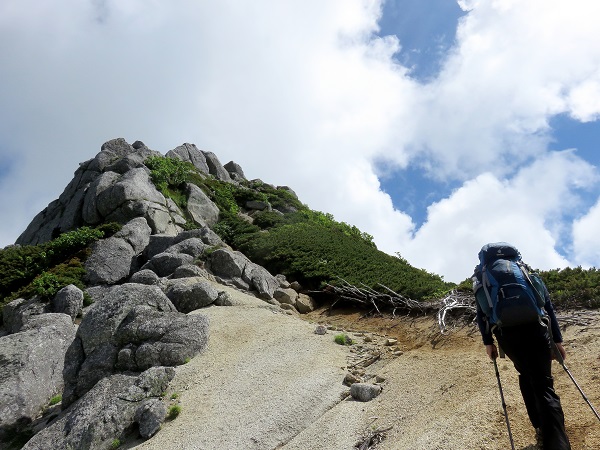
(368, 339)
(320, 329)
(351, 378)
(364, 392)
(288, 308)
(391, 341)
(398, 353)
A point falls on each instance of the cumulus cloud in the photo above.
(514, 65)
(525, 210)
(586, 238)
(307, 95)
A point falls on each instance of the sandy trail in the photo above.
(267, 381)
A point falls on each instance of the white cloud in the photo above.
(522, 210)
(515, 65)
(584, 100)
(586, 239)
(303, 94)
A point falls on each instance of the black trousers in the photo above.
(528, 347)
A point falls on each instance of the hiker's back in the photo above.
(507, 293)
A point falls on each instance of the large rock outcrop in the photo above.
(31, 364)
(108, 411)
(235, 269)
(114, 259)
(130, 327)
(143, 280)
(115, 186)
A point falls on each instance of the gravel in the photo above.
(264, 377)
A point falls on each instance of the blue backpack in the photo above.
(507, 293)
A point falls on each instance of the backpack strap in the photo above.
(528, 278)
(485, 282)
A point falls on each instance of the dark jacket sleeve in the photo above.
(556, 334)
(484, 327)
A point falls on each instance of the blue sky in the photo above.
(426, 32)
(435, 126)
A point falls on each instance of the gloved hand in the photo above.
(491, 351)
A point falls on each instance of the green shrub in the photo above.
(49, 282)
(20, 265)
(87, 299)
(234, 230)
(166, 172)
(222, 194)
(178, 195)
(173, 412)
(116, 443)
(56, 399)
(317, 252)
(109, 228)
(72, 241)
(246, 195)
(573, 287)
(267, 219)
(343, 339)
(46, 285)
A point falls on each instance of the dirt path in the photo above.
(268, 381)
(442, 392)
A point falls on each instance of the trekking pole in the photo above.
(512, 443)
(561, 361)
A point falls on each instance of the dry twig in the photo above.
(456, 310)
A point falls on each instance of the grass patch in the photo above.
(173, 412)
(56, 399)
(343, 339)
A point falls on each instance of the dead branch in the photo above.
(457, 305)
(366, 296)
(454, 311)
(371, 438)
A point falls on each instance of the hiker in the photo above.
(513, 305)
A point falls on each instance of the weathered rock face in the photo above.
(67, 212)
(69, 300)
(200, 207)
(234, 269)
(215, 168)
(17, 312)
(113, 259)
(235, 171)
(130, 327)
(189, 294)
(107, 411)
(190, 153)
(31, 363)
(116, 186)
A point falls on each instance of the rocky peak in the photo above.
(115, 186)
